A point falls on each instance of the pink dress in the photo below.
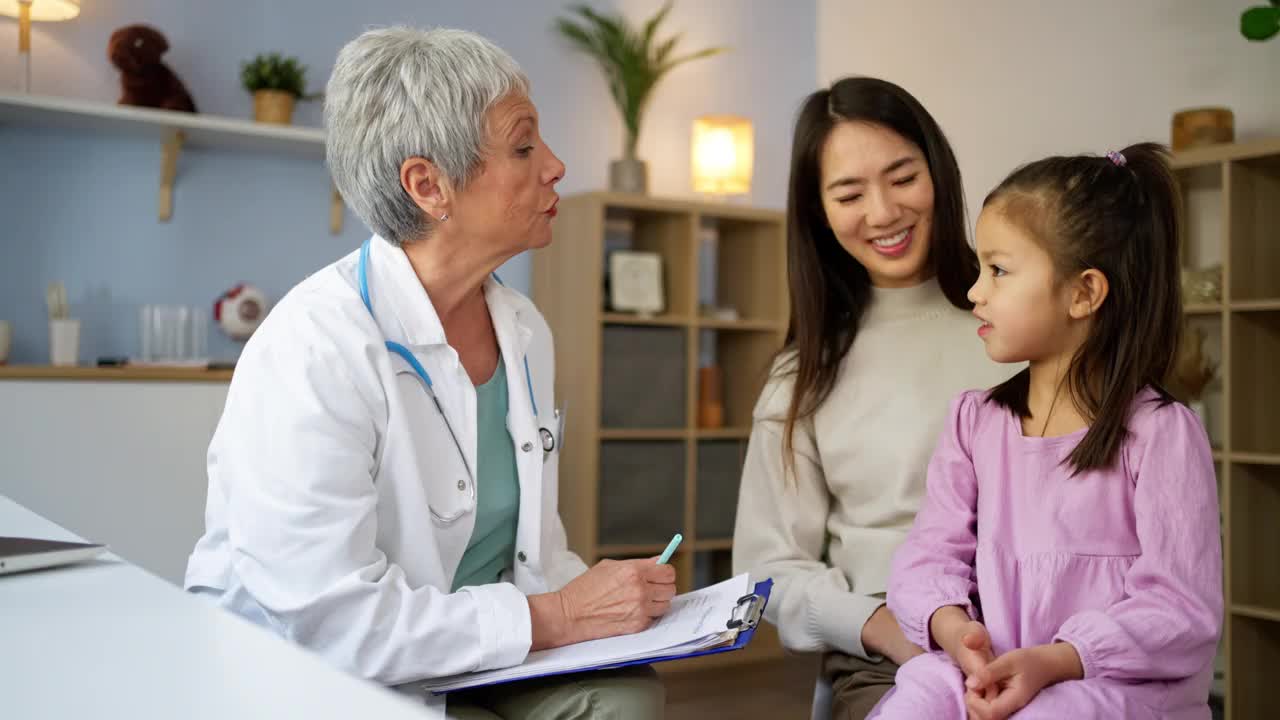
(1124, 563)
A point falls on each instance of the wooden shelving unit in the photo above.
(173, 131)
(682, 477)
(1232, 209)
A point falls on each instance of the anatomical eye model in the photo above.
(240, 310)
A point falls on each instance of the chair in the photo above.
(822, 696)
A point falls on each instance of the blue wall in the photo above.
(82, 208)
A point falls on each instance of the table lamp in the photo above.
(40, 11)
(723, 153)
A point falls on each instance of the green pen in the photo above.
(671, 548)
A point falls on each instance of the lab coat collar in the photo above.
(508, 308)
(403, 309)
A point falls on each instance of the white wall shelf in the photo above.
(174, 131)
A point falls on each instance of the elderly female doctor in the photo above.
(382, 483)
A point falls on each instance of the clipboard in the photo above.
(746, 617)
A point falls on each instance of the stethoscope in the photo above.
(548, 440)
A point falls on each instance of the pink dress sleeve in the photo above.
(933, 568)
(1168, 624)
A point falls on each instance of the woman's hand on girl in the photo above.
(1017, 677)
(882, 634)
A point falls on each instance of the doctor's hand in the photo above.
(616, 597)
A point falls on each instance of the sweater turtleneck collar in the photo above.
(897, 304)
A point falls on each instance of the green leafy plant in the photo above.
(633, 61)
(1261, 22)
(270, 71)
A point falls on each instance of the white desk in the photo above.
(106, 640)
(151, 513)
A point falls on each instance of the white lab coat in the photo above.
(330, 457)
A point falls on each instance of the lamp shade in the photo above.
(723, 154)
(44, 10)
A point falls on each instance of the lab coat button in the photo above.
(521, 556)
(527, 446)
(462, 485)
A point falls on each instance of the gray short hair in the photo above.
(401, 92)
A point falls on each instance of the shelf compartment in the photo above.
(670, 234)
(1255, 532)
(643, 377)
(642, 491)
(1255, 382)
(718, 477)
(1203, 221)
(744, 360)
(1255, 652)
(1254, 186)
(711, 567)
(747, 255)
(1212, 396)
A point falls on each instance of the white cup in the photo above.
(6, 340)
(64, 341)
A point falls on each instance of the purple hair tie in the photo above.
(1117, 158)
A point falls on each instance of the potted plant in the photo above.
(633, 61)
(1261, 22)
(276, 83)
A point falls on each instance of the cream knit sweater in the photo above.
(826, 533)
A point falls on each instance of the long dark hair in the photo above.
(829, 289)
(1118, 215)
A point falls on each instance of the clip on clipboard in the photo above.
(749, 611)
(739, 629)
(746, 616)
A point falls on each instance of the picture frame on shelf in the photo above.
(635, 282)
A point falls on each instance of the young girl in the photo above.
(1066, 560)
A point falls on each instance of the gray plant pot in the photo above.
(629, 175)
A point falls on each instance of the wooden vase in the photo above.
(710, 398)
(1198, 127)
(273, 106)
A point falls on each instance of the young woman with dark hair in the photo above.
(880, 340)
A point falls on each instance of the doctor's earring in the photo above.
(444, 217)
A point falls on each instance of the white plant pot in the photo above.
(64, 341)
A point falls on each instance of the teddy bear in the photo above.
(146, 81)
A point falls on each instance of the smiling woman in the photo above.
(882, 219)
(880, 340)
